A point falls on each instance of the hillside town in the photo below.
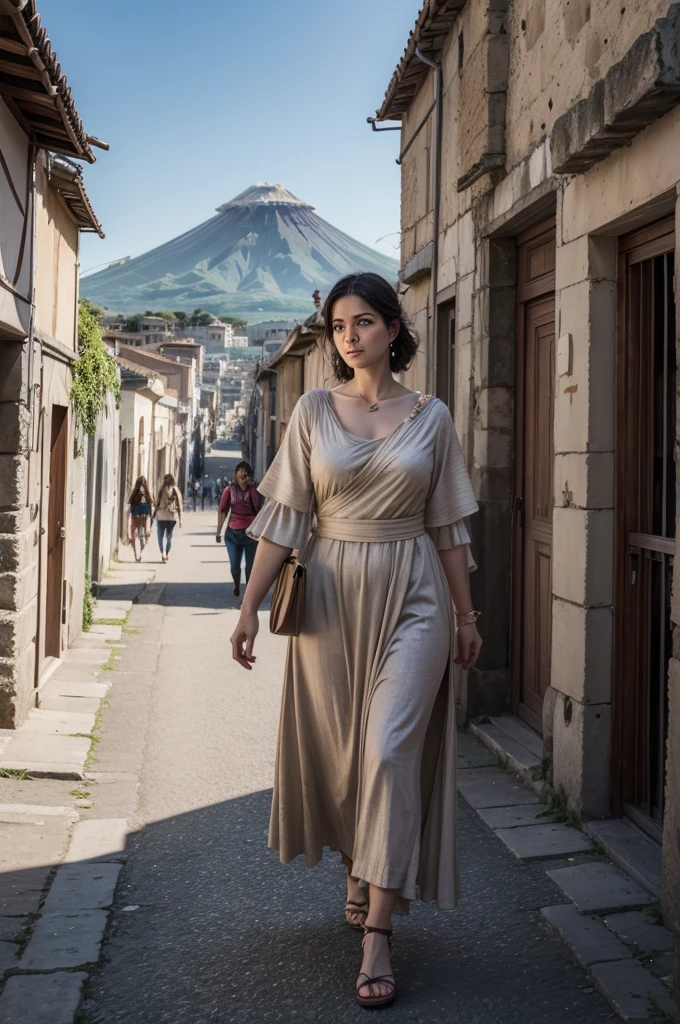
(536, 285)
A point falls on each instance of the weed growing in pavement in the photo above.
(598, 850)
(544, 770)
(653, 913)
(110, 662)
(480, 720)
(661, 1016)
(130, 630)
(501, 764)
(109, 622)
(19, 774)
(80, 794)
(558, 810)
(94, 735)
(21, 939)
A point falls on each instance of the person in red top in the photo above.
(242, 499)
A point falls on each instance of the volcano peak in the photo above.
(264, 195)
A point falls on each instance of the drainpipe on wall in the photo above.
(431, 375)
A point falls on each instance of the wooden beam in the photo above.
(50, 113)
(17, 93)
(10, 67)
(12, 46)
(19, 117)
(47, 131)
(45, 143)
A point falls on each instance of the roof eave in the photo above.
(429, 34)
(34, 88)
(67, 180)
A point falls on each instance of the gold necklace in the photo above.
(372, 406)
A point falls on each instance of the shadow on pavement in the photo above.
(217, 930)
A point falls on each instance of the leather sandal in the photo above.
(359, 908)
(377, 1002)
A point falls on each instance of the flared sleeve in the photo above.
(287, 485)
(450, 498)
(446, 537)
(281, 524)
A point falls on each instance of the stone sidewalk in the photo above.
(611, 922)
(58, 873)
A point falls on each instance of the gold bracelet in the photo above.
(467, 618)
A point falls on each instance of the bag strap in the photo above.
(304, 550)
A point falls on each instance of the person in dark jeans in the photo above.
(242, 500)
(168, 512)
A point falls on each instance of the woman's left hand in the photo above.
(469, 645)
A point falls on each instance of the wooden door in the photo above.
(535, 401)
(56, 532)
(645, 522)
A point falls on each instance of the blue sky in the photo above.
(200, 100)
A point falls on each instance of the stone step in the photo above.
(544, 840)
(58, 722)
(590, 940)
(98, 839)
(82, 705)
(77, 887)
(511, 817)
(42, 998)
(517, 730)
(89, 642)
(631, 849)
(634, 992)
(490, 787)
(65, 941)
(46, 755)
(66, 688)
(76, 673)
(517, 745)
(108, 633)
(34, 814)
(85, 658)
(634, 928)
(600, 888)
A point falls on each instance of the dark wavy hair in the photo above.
(380, 296)
(244, 465)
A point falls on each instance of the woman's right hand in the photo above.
(243, 639)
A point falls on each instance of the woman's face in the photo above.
(361, 336)
(243, 479)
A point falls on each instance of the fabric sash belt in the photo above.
(376, 530)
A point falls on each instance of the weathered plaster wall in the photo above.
(14, 311)
(557, 51)
(56, 270)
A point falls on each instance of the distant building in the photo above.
(269, 330)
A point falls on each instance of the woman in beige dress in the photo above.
(367, 740)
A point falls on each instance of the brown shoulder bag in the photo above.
(288, 600)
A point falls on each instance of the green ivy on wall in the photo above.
(94, 373)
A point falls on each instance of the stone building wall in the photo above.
(591, 138)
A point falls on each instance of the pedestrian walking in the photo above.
(168, 513)
(207, 491)
(367, 740)
(141, 504)
(241, 501)
(195, 489)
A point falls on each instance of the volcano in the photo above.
(260, 257)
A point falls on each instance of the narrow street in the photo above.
(207, 925)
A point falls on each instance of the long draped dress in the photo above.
(366, 754)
